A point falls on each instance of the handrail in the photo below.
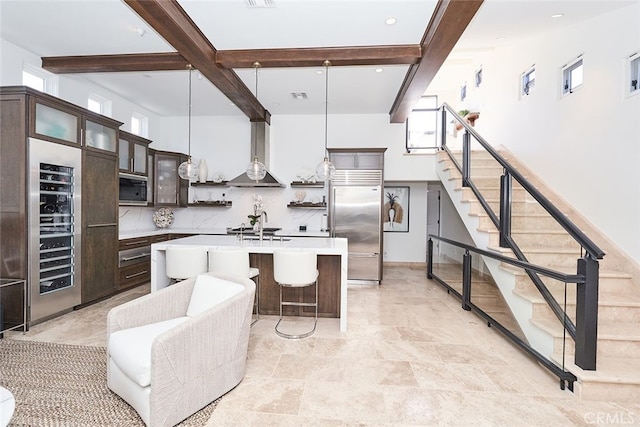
(557, 275)
(590, 247)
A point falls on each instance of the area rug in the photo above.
(66, 386)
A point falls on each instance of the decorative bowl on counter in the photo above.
(163, 217)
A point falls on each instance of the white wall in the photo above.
(586, 145)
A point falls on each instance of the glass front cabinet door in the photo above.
(133, 154)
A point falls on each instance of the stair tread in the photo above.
(613, 299)
(543, 250)
(619, 331)
(622, 370)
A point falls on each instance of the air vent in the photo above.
(299, 95)
(261, 3)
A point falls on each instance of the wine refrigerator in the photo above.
(54, 229)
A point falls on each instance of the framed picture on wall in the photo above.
(395, 211)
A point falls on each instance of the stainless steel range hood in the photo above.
(259, 149)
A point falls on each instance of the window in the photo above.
(422, 125)
(39, 79)
(572, 76)
(633, 76)
(140, 125)
(528, 81)
(479, 77)
(463, 91)
(99, 104)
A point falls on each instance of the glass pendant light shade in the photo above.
(325, 171)
(188, 170)
(256, 170)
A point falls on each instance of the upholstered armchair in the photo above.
(174, 351)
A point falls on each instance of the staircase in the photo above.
(544, 242)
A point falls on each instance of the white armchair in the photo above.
(174, 351)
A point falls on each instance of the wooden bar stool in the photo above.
(184, 262)
(236, 261)
(296, 269)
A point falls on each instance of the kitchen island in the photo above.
(332, 267)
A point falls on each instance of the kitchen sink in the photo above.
(269, 238)
(250, 231)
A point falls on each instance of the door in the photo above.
(356, 216)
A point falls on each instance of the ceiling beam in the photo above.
(173, 24)
(311, 57)
(449, 20)
(114, 63)
(171, 61)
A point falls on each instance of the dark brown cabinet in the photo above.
(99, 225)
(169, 189)
(133, 154)
(26, 113)
(328, 288)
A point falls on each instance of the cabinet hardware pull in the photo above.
(136, 257)
(129, 276)
(136, 242)
(111, 224)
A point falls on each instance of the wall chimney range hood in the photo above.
(259, 149)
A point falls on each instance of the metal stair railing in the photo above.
(566, 377)
(585, 329)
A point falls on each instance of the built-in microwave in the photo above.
(133, 189)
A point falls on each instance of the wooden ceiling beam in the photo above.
(311, 57)
(170, 61)
(173, 24)
(114, 63)
(448, 22)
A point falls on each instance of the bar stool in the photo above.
(296, 269)
(236, 261)
(184, 262)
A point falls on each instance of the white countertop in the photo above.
(129, 234)
(323, 245)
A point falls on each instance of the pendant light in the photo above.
(325, 171)
(188, 170)
(256, 170)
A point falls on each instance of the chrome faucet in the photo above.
(261, 222)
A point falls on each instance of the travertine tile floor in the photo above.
(410, 356)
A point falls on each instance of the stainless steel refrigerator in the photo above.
(356, 213)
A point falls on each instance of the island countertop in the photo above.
(321, 245)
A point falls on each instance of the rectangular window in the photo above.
(572, 76)
(528, 81)
(422, 125)
(99, 104)
(140, 125)
(39, 79)
(463, 92)
(633, 76)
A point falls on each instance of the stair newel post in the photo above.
(466, 158)
(430, 258)
(506, 193)
(466, 280)
(443, 127)
(587, 313)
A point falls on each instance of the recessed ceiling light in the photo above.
(557, 15)
(299, 95)
(141, 31)
(390, 20)
(319, 72)
(379, 70)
